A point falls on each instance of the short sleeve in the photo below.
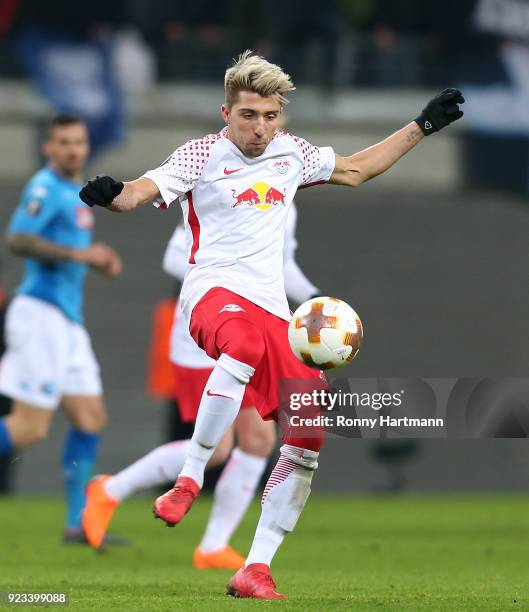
(181, 171)
(318, 163)
(34, 212)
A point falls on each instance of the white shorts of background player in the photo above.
(47, 355)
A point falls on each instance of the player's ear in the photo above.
(282, 119)
(45, 148)
(225, 112)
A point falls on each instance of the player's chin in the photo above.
(256, 149)
(73, 165)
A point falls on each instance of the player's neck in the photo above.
(230, 138)
(227, 135)
(75, 176)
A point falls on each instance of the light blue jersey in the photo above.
(50, 208)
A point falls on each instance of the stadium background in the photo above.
(432, 255)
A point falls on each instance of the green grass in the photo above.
(348, 553)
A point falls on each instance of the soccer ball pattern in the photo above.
(325, 333)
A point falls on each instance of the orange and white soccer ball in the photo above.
(325, 333)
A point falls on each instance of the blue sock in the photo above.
(79, 455)
(6, 445)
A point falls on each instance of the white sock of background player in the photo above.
(161, 465)
(234, 491)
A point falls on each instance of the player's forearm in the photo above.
(441, 111)
(378, 158)
(28, 245)
(126, 201)
(118, 196)
(133, 195)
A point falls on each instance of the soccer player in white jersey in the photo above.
(255, 437)
(235, 189)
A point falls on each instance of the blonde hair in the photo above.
(252, 72)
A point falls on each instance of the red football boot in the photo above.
(254, 581)
(172, 506)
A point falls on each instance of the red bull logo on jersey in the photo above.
(281, 166)
(262, 195)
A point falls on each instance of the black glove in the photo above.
(100, 191)
(441, 111)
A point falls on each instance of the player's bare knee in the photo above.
(86, 413)
(91, 423)
(33, 431)
(219, 457)
(28, 424)
(269, 440)
(100, 419)
(38, 435)
(98, 424)
(259, 443)
(223, 450)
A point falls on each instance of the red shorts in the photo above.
(189, 386)
(278, 362)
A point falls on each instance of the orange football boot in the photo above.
(254, 581)
(225, 558)
(98, 511)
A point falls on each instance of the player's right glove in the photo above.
(100, 191)
(441, 111)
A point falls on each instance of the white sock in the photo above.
(219, 406)
(234, 491)
(284, 496)
(161, 465)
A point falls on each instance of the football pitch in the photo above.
(348, 553)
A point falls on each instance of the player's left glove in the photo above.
(100, 191)
(441, 111)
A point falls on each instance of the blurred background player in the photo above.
(49, 361)
(5, 403)
(240, 477)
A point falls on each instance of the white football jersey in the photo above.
(184, 351)
(235, 211)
